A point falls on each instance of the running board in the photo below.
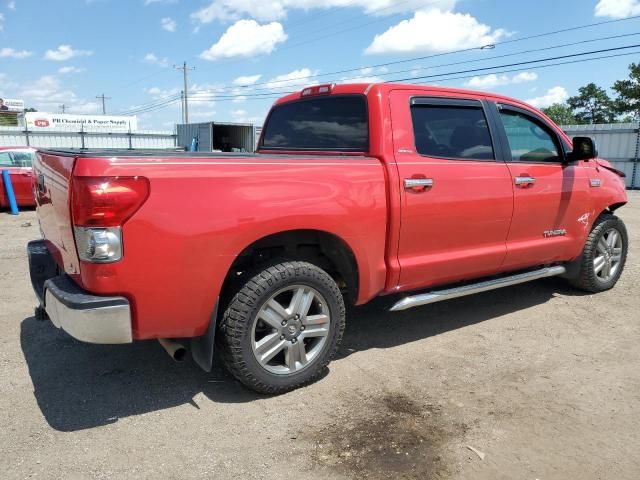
(440, 295)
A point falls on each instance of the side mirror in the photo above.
(584, 148)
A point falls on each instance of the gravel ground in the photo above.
(541, 380)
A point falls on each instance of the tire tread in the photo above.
(238, 318)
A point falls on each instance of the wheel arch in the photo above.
(324, 249)
(613, 207)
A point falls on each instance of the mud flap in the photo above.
(202, 347)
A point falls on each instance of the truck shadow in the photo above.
(79, 386)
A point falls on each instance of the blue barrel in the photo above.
(9, 189)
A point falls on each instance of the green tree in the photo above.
(561, 114)
(628, 91)
(592, 105)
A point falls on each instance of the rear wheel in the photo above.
(283, 327)
(604, 255)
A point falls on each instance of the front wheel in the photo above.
(283, 327)
(604, 255)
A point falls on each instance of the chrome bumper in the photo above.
(87, 317)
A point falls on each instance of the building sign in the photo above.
(68, 121)
(11, 105)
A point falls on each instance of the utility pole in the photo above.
(184, 69)
(63, 107)
(103, 98)
(182, 104)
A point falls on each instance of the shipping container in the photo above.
(617, 142)
(218, 136)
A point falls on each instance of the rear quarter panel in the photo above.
(202, 212)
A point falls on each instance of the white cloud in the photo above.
(365, 75)
(1, 22)
(435, 30)
(11, 5)
(295, 79)
(158, 93)
(203, 114)
(153, 59)
(232, 10)
(246, 38)
(168, 24)
(246, 80)
(12, 53)
(65, 52)
(200, 94)
(553, 95)
(47, 94)
(617, 8)
(5, 83)
(67, 70)
(151, 2)
(85, 108)
(492, 80)
(242, 116)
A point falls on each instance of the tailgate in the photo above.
(53, 177)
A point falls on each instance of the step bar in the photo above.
(447, 294)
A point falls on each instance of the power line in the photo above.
(473, 70)
(613, 49)
(201, 94)
(521, 52)
(153, 105)
(275, 96)
(537, 67)
(451, 52)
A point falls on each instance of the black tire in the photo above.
(237, 326)
(585, 277)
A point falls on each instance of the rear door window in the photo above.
(458, 130)
(334, 123)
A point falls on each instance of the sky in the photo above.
(246, 53)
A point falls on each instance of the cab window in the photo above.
(451, 131)
(5, 160)
(529, 140)
(22, 159)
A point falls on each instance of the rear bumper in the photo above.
(87, 317)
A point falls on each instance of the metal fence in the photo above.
(617, 142)
(87, 138)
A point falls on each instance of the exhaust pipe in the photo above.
(174, 349)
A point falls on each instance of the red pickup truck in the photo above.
(356, 191)
(17, 161)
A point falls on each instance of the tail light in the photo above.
(318, 90)
(99, 208)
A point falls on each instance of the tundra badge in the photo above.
(554, 233)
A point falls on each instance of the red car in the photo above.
(18, 161)
(356, 191)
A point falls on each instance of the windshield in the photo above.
(336, 123)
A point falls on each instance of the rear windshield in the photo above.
(338, 123)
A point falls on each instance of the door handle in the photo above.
(417, 184)
(525, 181)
